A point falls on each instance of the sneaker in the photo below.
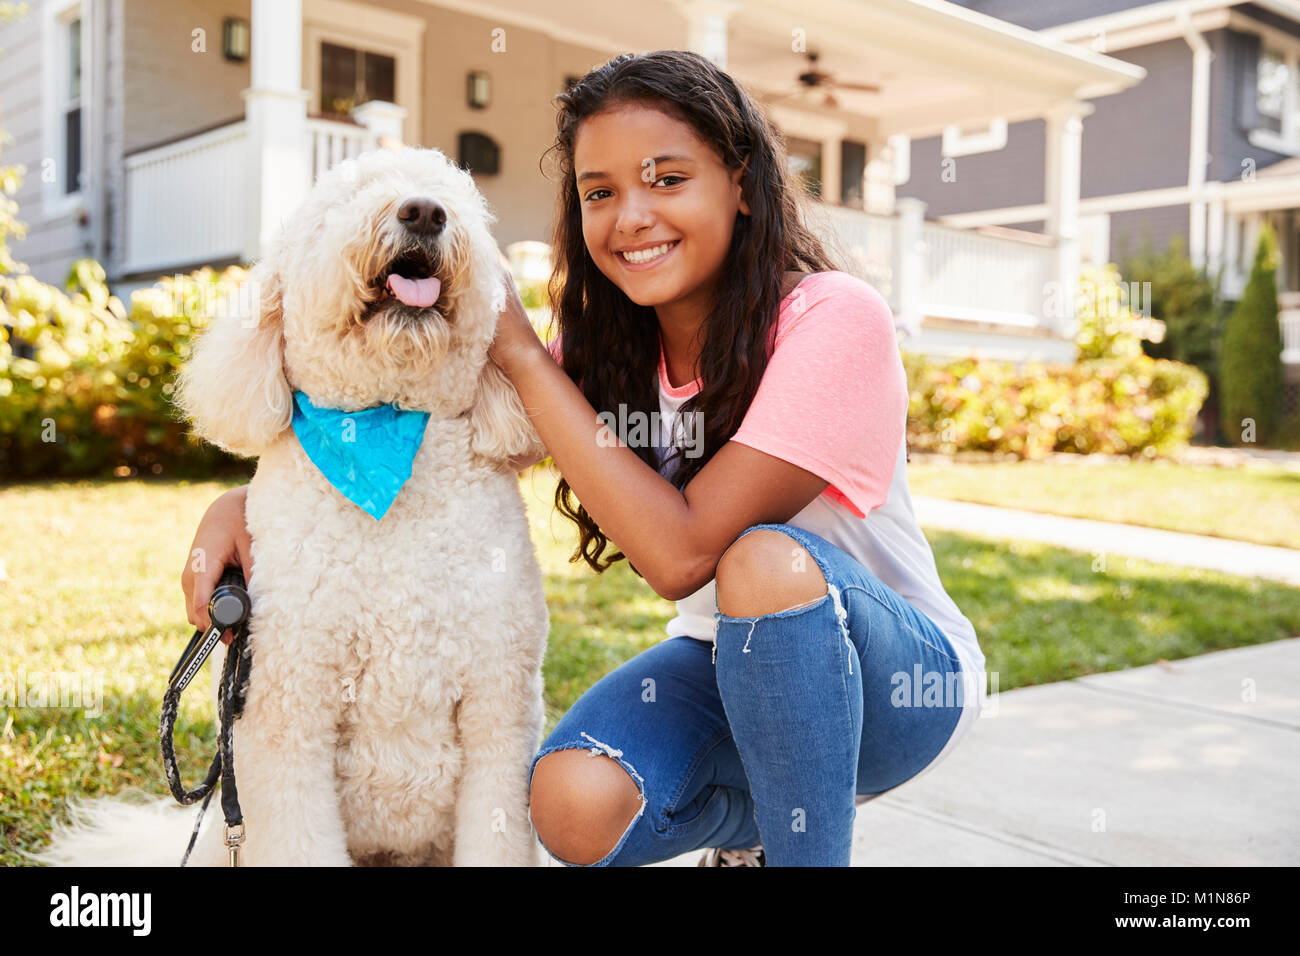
(751, 857)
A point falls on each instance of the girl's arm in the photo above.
(674, 538)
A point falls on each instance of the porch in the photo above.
(848, 85)
(1236, 212)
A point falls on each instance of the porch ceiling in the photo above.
(937, 64)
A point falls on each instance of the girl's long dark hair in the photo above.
(610, 344)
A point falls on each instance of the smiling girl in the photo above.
(815, 659)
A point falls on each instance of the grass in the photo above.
(93, 586)
(1259, 504)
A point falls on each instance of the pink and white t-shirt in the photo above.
(833, 401)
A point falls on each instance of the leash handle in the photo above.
(228, 607)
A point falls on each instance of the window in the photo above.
(350, 77)
(805, 163)
(1272, 78)
(70, 106)
(62, 123)
(853, 168)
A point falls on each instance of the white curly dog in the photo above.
(395, 697)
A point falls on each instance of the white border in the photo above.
(55, 16)
(990, 140)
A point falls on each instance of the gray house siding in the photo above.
(1041, 14)
(1129, 229)
(1008, 177)
(1135, 140)
(1140, 139)
(1232, 105)
(1269, 18)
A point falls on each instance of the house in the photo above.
(161, 135)
(1207, 147)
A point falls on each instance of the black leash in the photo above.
(229, 607)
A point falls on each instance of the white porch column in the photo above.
(383, 120)
(1215, 228)
(909, 263)
(1062, 177)
(1198, 149)
(706, 27)
(279, 157)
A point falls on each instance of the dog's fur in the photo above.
(395, 701)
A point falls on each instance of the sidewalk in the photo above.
(1163, 765)
(1083, 534)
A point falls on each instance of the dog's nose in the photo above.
(422, 215)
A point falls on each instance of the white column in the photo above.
(279, 156)
(1198, 151)
(831, 171)
(1215, 228)
(706, 27)
(909, 263)
(1062, 176)
(383, 120)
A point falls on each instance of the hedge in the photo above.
(93, 397)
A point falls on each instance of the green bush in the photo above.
(1183, 297)
(94, 398)
(1115, 400)
(1130, 406)
(1250, 364)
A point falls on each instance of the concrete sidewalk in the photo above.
(1166, 765)
(1082, 534)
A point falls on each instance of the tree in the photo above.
(1250, 361)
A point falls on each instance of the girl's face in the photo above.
(645, 182)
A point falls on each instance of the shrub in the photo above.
(1183, 297)
(94, 398)
(1117, 406)
(1115, 400)
(1250, 363)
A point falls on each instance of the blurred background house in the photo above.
(1206, 148)
(162, 136)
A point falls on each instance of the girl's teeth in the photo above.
(645, 255)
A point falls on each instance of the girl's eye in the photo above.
(591, 196)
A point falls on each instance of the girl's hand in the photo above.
(221, 539)
(515, 337)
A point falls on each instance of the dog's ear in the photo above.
(499, 427)
(234, 389)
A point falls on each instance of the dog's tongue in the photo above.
(420, 293)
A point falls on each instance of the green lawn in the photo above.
(1258, 504)
(91, 585)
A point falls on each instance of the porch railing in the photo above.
(942, 271)
(972, 276)
(186, 201)
(332, 142)
(1288, 315)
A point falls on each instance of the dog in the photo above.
(395, 697)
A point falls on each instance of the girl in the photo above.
(815, 660)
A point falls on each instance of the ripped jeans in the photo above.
(776, 741)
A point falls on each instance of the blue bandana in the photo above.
(366, 455)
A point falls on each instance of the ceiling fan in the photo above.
(815, 79)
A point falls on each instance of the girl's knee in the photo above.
(765, 571)
(581, 804)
